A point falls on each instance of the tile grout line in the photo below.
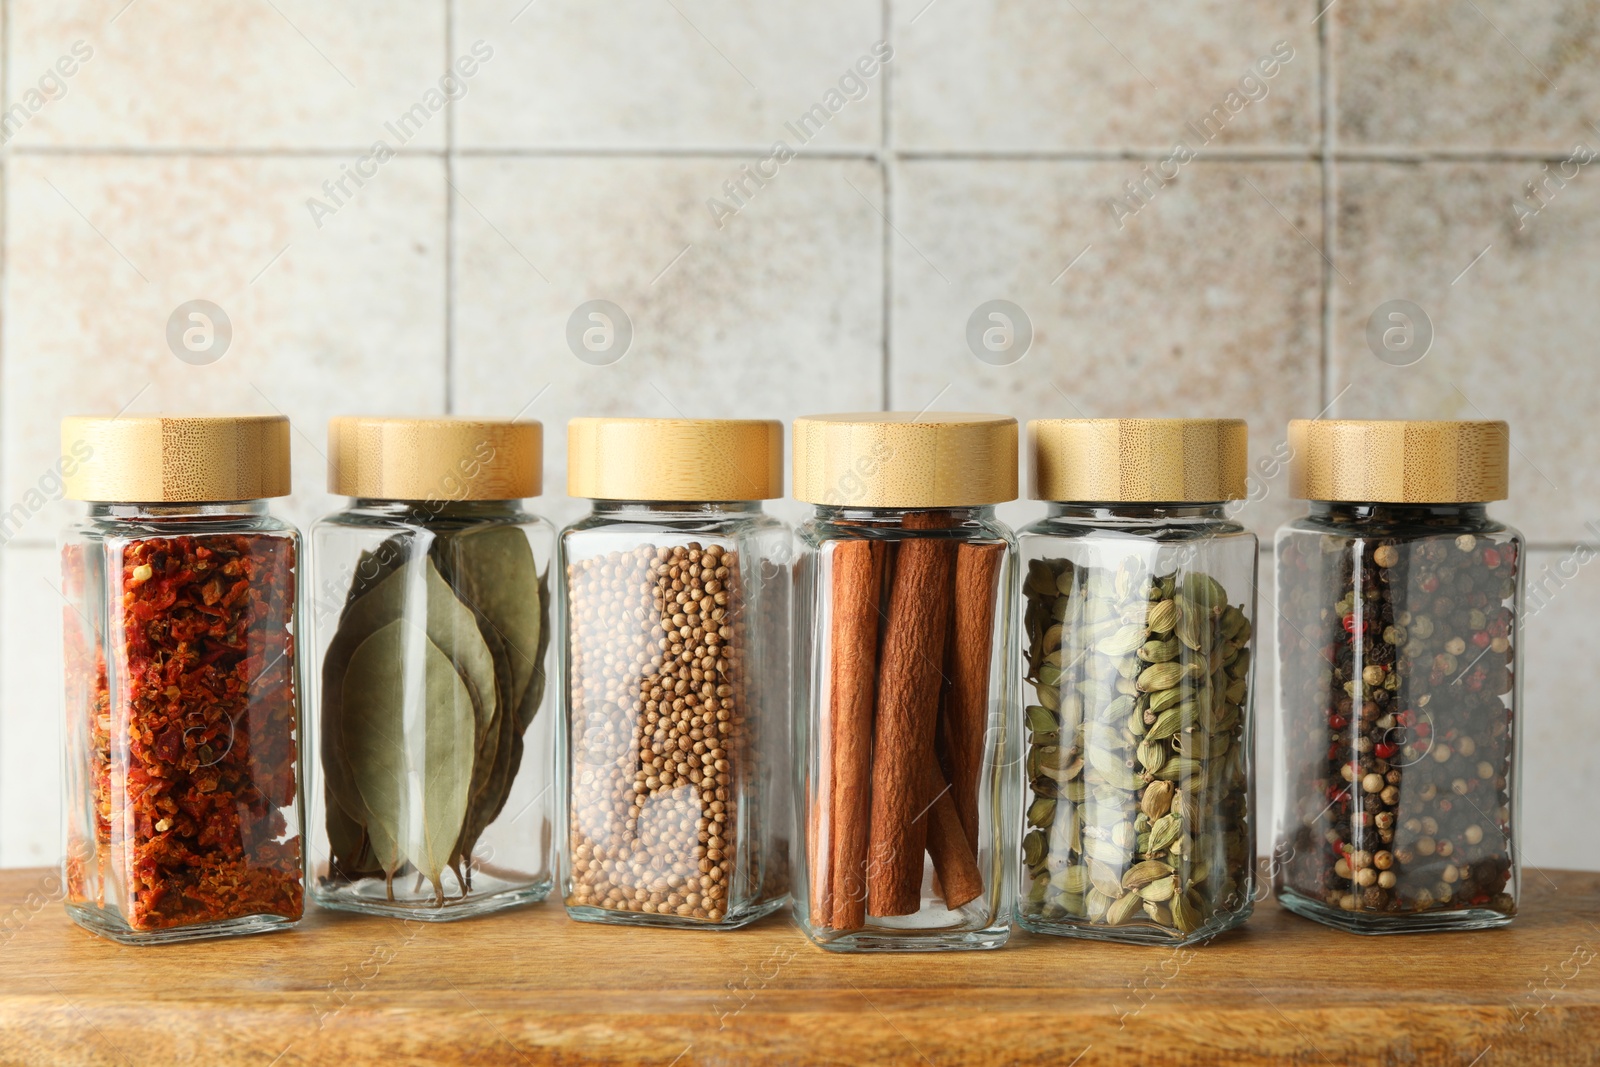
(5, 321)
(449, 219)
(886, 167)
(1330, 207)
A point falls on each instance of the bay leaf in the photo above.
(409, 740)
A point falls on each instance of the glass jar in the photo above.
(431, 622)
(676, 689)
(1138, 623)
(903, 638)
(1398, 604)
(182, 775)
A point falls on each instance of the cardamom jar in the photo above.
(183, 801)
(904, 638)
(1399, 600)
(676, 689)
(1139, 621)
(431, 625)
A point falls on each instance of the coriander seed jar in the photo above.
(431, 618)
(1138, 618)
(904, 641)
(183, 808)
(1399, 601)
(676, 681)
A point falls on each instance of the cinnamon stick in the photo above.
(966, 704)
(909, 683)
(856, 591)
(954, 860)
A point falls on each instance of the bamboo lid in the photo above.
(682, 460)
(435, 458)
(1399, 462)
(162, 459)
(903, 460)
(1138, 460)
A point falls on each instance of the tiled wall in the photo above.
(1025, 150)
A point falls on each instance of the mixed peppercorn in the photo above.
(1397, 679)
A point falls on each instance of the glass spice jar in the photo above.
(1138, 618)
(903, 640)
(431, 620)
(675, 633)
(1398, 606)
(183, 810)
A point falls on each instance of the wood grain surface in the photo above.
(531, 987)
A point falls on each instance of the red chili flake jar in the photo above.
(184, 817)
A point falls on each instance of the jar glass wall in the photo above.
(903, 637)
(434, 755)
(677, 698)
(1398, 639)
(432, 616)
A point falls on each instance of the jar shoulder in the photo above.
(1398, 529)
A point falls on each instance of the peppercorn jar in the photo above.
(903, 634)
(182, 739)
(431, 621)
(1138, 617)
(676, 689)
(1398, 605)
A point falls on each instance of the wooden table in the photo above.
(531, 987)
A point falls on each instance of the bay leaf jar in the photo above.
(1139, 624)
(676, 690)
(183, 809)
(904, 639)
(1399, 602)
(431, 618)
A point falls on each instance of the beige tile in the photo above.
(1506, 329)
(1469, 74)
(1205, 303)
(1030, 75)
(102, 251)
(776, 314)
(1559, 680)
(291, 73)
(689, 73)
(30, 707)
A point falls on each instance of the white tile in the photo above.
(776, 314)
(684, 73)
(1032, 75)
(1560, 676)
(30, 707)
(1466, 74)
(345, 318)
(1509, 302)
(1204, 303)
(290, 73)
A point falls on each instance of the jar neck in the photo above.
(1343, 512)
(423, 511)
(229, 509)
(899, 517)
(1138, 512)
(653, 509)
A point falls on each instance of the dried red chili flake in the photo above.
(198, 761)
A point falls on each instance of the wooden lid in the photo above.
(1399, 461)
(1138, 460)
(160, 459)
(902, 460)
(681, 460)
(435, 458)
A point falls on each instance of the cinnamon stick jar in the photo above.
(182, 710)
(903, 635)
(1138, 629)
(676, 687)
(1399, 608)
